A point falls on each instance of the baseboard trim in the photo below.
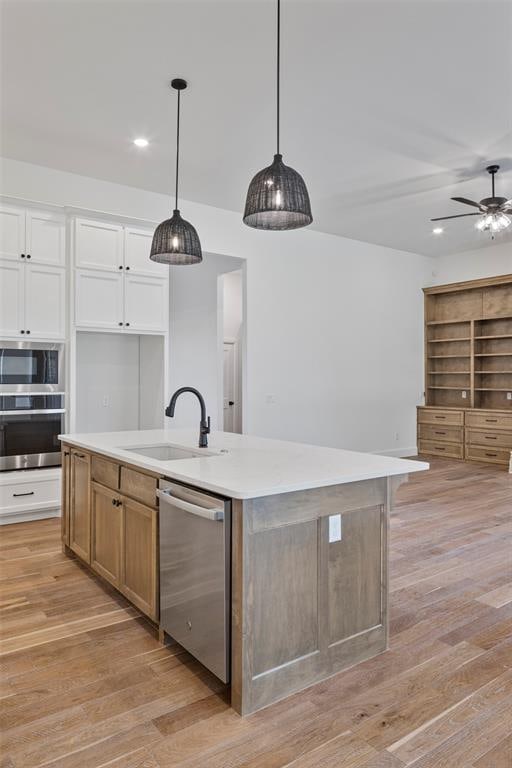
(26, 517)
(398, 453)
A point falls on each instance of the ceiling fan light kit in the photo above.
(277, 198)
(175, 241)
(495, 212)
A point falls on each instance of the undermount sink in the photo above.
(167, 452)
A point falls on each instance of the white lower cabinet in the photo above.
(29, 494)
(45, 302)
(98, 299)
(145, 303)
(32, 300)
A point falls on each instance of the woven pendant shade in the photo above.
(278, 199)
(176, 242)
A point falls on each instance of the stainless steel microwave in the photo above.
(31, 367)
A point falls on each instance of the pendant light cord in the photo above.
(177, 147)
(278, 66)
(493, 183)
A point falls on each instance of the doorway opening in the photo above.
(232, 322)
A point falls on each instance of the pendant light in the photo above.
(277, 197)
(175, 240)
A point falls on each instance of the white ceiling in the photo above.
(388, 107)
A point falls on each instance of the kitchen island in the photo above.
(292, 588)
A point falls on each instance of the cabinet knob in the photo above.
(127, 268)
(119, 323)
(113, 502)
(29, 256)
(28, 331)
(120, 266)
(22, 331)
(22, 255)
(127, 323)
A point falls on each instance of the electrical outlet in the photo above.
(105, 401)
(464, 394)
(270, 399)
(397, 437)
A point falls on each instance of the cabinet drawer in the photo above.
(439, 433)
(450, 450)
(138, 486)
(105, 472)
(43, 494)
(436, 416)
(489, 420)
(493, 439)
(493, 456)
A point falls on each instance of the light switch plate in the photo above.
(335, 533)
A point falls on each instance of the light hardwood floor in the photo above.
(85, 683)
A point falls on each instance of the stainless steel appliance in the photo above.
(31, 367)
(195, 573)
(29, 430)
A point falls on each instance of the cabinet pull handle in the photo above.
(113, 502)
(80, 455)
(491, 421)
(435, 433)
(490, 437)
(490, 454)
(439, 417)
(28, 493)
(439, 448)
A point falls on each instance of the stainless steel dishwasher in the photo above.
(195, 573)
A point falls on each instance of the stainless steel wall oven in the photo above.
(29, 430)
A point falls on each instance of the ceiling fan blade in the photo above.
(466, 201)
(457, 216)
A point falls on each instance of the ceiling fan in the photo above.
(495, 212)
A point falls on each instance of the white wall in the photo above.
(334, 326)
(196, 336)
(471, 265)
(232, 304)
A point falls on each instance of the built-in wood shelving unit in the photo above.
(468, 344)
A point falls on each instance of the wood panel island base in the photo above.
(307, 577)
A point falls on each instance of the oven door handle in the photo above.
(35, 412)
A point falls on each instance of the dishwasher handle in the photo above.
(217, 513)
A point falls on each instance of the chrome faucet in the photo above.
(204, 425)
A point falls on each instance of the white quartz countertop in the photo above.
(250, 467)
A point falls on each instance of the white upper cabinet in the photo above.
(12, 319)
(137, 247)
(12, 232)
(145, 303)
(99, 299)
(45, 301)
(98, 245)
(45, 238)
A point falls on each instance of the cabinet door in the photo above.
(146, 302)
(98, 245)
(137, 247)
(139, 567)
(12, 232)
(45, 301)
(65, 495)
(106, 529)
(12, 287)
(45, 238)
(98, 299)
(79, 508)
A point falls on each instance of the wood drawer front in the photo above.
(138, 486)
(493, 456)
(489, 420)
(442, 434)
(489, 438)
(449, 450)
(105, 472)
(436, 416)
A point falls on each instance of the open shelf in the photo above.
(443, 341)
(444, 357)
(493, 354)
(493, 389)
(490, 373)
(459, 389)
(446, 322)
(451, 373)
(496, 336)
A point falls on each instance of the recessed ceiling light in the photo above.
(438, 230)
(141, 142)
